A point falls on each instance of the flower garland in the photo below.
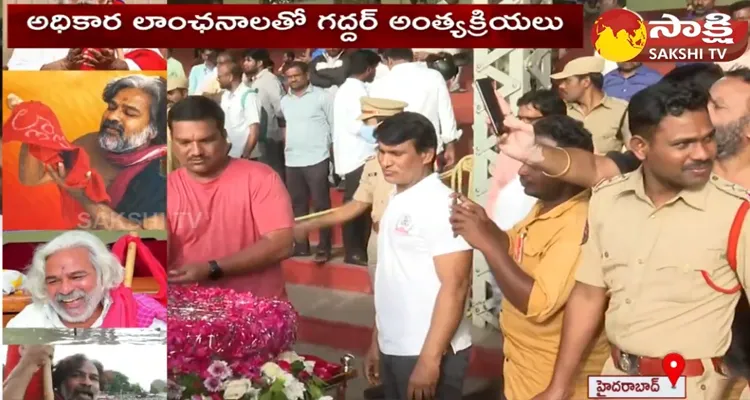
(220, 344)
(207, 324)
(291, 377)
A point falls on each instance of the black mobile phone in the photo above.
(491, 106)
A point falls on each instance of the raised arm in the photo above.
(571, 165)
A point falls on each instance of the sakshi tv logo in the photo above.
(621, 35)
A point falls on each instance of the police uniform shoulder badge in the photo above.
(610, 181)
(729, 187)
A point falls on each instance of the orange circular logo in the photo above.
(619, 35)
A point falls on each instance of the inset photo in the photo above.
(76, 280)
(84, 372)
(85, 150)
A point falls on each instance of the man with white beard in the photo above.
(76, 282)
(125, 156)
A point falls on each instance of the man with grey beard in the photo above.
(730, 114)
(76, 282)
(128, 154)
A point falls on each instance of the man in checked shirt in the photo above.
(534, 265)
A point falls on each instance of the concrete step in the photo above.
(343, 320)
(335, 274)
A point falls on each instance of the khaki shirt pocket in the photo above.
(615, 273)
(683, 281)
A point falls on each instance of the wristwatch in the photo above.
(214, 271)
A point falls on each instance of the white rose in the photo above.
(255, 393)
(234, 390)
(309, 365)
(293, 389)
(272, 370)
(290, 357)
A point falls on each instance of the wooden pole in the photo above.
(49, 392)
(130, 262)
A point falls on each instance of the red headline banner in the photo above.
(293, 26)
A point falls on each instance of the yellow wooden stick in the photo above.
(49, 392)
(130, 262)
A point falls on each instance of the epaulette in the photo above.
(610, 181)
(733, 189)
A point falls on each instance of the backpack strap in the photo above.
(732, 244)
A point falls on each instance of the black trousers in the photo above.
(310, 185)
(395, 372)
(357, 231)
(273, 156)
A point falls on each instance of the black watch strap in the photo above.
(214, 270)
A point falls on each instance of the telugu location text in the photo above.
(687, 54)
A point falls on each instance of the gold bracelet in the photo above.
(567, 167)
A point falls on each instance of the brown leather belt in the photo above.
(650, 366)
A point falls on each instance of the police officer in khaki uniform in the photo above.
(656, 237)
(373, 191)
(581, 83)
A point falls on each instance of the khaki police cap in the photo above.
(580, 66)
(176, 83)
(374, 107)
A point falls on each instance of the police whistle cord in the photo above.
(455, 175)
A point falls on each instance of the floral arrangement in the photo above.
(245, 331)
(291, 377)
(228, 345)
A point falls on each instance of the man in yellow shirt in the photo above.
(534, 265)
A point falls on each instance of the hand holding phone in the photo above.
(491, 105)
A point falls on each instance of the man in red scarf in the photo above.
(76, 282)
(123, 160)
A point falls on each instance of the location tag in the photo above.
(673, 365)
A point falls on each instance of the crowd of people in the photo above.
(304, 123)
(659, 149)
(616, 229)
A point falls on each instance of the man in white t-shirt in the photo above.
(242, 112)
(422, 342)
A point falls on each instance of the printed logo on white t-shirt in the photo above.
(404, 225)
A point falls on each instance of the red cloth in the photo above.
(147, 60)
(148, 265)
(132, 164)
(35, 390)
(36, 125)
(123, 311)
(86, 67)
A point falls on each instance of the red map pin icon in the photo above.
(673, 365)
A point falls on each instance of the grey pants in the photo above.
(306, 185)
(396, 370)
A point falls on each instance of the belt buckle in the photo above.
(628, 364)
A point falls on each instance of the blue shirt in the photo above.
(309, 124)
(617, 86)
(198, 75)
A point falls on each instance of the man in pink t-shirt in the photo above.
(230, 220)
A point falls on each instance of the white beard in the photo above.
(93, 301)
(116, 144)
